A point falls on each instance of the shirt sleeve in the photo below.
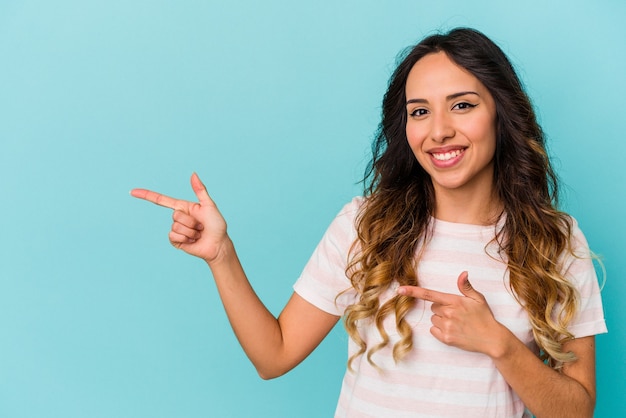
(323, 281)
(579, 269)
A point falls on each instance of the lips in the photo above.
(446, 157)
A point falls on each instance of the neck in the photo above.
(477, 207)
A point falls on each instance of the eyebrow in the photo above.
(449, 97)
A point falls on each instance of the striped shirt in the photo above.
(434, 379)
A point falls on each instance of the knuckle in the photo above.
(179, 215)
(447, 339)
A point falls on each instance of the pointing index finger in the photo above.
(426, 294)
(156, 198)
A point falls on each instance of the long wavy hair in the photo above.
(400, 200)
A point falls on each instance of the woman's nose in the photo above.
(441, 127)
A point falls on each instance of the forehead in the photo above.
(436, 74)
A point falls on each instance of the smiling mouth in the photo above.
(445, 156)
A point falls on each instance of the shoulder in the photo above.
(347, 216)
(354, 206)
(578, 242)
(577, 260)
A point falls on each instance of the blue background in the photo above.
(274, 104)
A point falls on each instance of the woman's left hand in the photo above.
(464, 321)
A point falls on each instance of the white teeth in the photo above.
(447, 155)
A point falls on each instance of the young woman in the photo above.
(465, 291)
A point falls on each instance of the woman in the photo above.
(460, 187)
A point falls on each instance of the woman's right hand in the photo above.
(199, 228)
(274, 346)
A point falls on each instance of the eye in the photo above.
(463, 106)
(418, 112)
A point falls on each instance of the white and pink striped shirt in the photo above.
(434, 379)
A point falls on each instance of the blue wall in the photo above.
(274, 104)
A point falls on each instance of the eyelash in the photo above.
(465, 106)
(460, 106)
(418, 112)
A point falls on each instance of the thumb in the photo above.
(200, 190)
(465, 286)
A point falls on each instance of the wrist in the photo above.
(504, 344)
(225, 250)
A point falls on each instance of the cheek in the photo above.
(483, 132)
(414, 137)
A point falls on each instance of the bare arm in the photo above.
(274, 345)
(545, 391)
(467, 322)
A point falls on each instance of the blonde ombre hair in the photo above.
(394, 221)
